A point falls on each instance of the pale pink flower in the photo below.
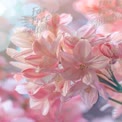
(23, 38)
(88, 94)
(112, 48)
(43, 60)
(82, 64)
(106, 16)
(42, 98)
(100, 11)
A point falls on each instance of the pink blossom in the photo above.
(89, 94)
(82, 64)
(112, 48)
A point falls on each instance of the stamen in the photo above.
(83, 66)
(88, 89)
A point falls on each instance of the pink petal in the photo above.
(18, 55)
(31, 73)
(65, 19)
(23, 38)
(33, 60)
(42, 47)
(75, 90)
(46, 106)
(55, 21)
(72, 74)
(98, 62)
(36, 48)
(42, 104)
(67, 59)
(55, 108)
(18, 41)
(89, 96)
(82, 50)
(48, 62)
(55, 47)
(89, 78)
(40, 93)
(65, 88)
(86, 31)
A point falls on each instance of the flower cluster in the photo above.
(65, 68)
(102, 12)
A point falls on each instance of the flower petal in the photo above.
(65, 19)
(86, 31)
(31, 73)
(75, 89)
(72, 74)
(82, 50)
(67, 59)
(98, 62)
(89, 78)
(33, 60)
(89, 95)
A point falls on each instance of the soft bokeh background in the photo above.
(13, 13)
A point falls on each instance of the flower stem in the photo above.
(107, 83)
(116, 101)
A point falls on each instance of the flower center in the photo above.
(83, 66)
(88, 89)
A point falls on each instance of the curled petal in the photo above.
(109, 50)
(32, 73)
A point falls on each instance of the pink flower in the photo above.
(42, 98)
(100, 11)
(88, 94)
(82, 63)
(112, 48)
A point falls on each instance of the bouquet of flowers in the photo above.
(66, 69)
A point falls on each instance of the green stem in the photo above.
(107, 83)
(114, 79)
(116, 101)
